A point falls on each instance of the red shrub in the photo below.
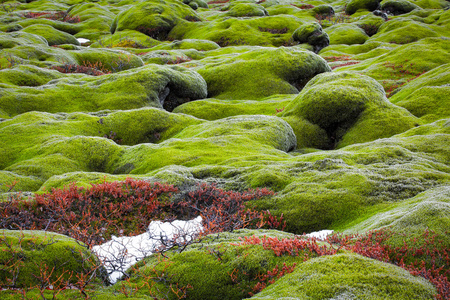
(123, 208)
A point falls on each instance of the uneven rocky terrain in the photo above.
(341, 108)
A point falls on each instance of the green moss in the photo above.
(38, 156)
(163, 57)
(107, 59)
(154, 18)
(258, 31)
(169, 87)
(70, 28)
(425, 97)
(240, 9)
(402, 63)
(403, 31)
(81, 179)
(12, 182)
(33, 250)
(348, 276)
(398, 7)
(26, 75)
(308, 135)
(355, 5)
(213, 109)
(12, 39)
(126, 39)
(348, 34)
(218, 259)
(263, 129)
(429, 210)
(312, 34)
(261, 73)
(250, 138)
(324, 10)
(200, 45)
(345, 105)
(52, 35)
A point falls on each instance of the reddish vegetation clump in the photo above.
(218, 1)
(92, 215)
(337, 58)
(57, 16)
(303, 6)
(420, 259)
(401, 71)
(72, 68)
(349, 63)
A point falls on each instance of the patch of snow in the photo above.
(320, 235)
(82, 40)
(120, 253)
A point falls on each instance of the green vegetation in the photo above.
(339, 107)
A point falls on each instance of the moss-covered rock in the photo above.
(125, 39)
(355, 5)
(52, 35)
(262, 72)
(107, 59)
(257, 31)
(312, 34)
(153, 85)
(348, 34)
(214, 143)
(348, 276)
(345, 105)
(154, 18)
(148, 125)
(324, 10)
(242, 9)
(34, 251)
(398, 7)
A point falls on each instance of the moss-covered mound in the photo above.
(52, 35)
(340, 107)
(426, 97)
(312, 34)
(242, 9)
(354, 5)
(28, 257)
(348, 34)
(270, 30)
(154, 18)
(398, 7)
(262, 72)
(152, 85)
(429, 210)
(348, 276)
(344, 108)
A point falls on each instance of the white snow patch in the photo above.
(120, 253)
(320, 235)
(82, 40)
